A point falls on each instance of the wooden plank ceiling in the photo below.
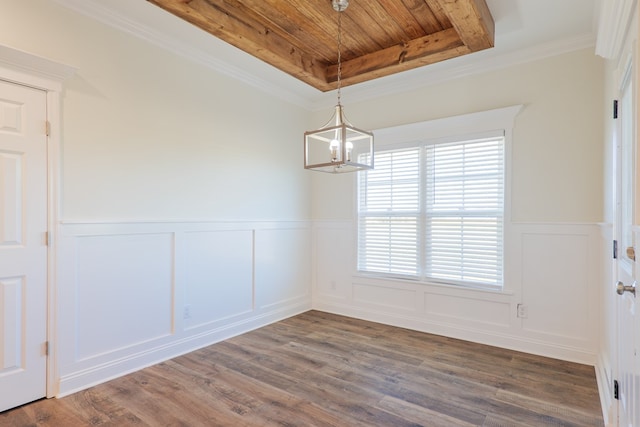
(379, 37)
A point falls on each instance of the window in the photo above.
(434, 211)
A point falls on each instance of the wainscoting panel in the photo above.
(131, 294)
(555, 275)
(218, 276)
(548, 305)
(124, 287)
(461, 310)
(282, 267)
(385, 298)
(333, 268)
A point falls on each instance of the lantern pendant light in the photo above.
(338, 146)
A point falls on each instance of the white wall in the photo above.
(552, 260)
(184, 207)
(557, 152)
(147, 134)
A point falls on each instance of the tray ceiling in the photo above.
(379, 37)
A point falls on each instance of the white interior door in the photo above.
(628, 375)
(23, 250)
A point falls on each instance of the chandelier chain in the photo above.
(339, 55)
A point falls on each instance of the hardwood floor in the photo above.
(319, 369)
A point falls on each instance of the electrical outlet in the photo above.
(522, 311)
(186, 313)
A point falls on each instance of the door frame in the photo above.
(26, 69)
(625, 75)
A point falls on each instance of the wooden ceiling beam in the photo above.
(473, 22)
(425, 50)
(249, 35)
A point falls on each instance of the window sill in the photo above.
(435, 287)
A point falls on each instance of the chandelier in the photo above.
(338, 146)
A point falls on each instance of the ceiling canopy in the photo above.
(379, 38)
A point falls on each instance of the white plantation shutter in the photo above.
(435, 211)
(464, 211)
(389, 207)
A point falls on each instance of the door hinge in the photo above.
(616, 390)
(47, 238)
(47, 128)
(46, 348)
(615, 249)
(615, 108)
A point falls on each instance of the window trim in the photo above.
(483, 124)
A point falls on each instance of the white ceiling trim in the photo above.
(615, 17)
(435, 74)
(118, 21)
(312, 99)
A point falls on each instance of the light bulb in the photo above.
(334, 145)
(349, 147)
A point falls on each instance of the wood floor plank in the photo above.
(352, 344)
(419, 414)
(562, 414)
(98, 409)
(321, 369)
(566, 391)
(42, 413)
(307, 414)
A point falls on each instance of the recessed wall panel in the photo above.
(384, 297)
(219, 275)
(460, 310)
(11, 198)
(333, 269)
(11, 323)
(283, 266)
(124, 288)
(555, 282)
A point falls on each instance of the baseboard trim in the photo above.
(84, 379)
(604, 391)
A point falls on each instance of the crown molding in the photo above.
(615, 18)
(217, 55)
(109, 15)
(467, 66)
